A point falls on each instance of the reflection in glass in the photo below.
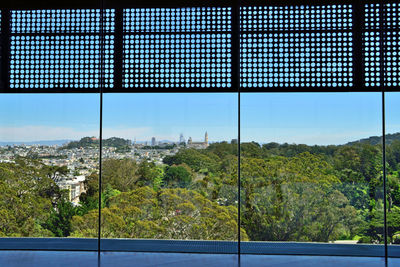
(309, 172)
(44, 172)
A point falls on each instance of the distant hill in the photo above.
(373, 140)
(41, 143)
(94, 142)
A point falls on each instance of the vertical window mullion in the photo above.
(382, 79)
(358, 61)
(5, 50)
(235, 85)
(118, 49)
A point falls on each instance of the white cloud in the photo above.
(38, 133)
(302, 136)
(307, 136)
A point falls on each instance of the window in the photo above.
(192, 127)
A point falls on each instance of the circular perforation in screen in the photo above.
(180, 60)
(371, 19)
(392, 55)
(61, 20)
(392, 15)
(296, 59)
(59, 61)
(177, 19)
(296, 17)
(391, 40)
(372, 58)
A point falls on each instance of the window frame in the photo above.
(222, 247)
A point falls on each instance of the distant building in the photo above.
(203, 144)
(153, 141)
(181, 139)
(75, 188)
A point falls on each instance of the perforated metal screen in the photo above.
(318, 46)
(177, 47)
(391, 42)
(60, 48)
(301, 17)
(296, 46)
(371, 49)
(62, 21)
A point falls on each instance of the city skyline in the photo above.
(308, 118)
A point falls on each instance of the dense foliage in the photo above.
(94, 142)
(288, 193)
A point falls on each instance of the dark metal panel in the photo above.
(58, 34)
(393, 251)
(321, 249)
(309, 89)
(158, 3)
(5, 49)
(114, 90)
(118, 48)
(235, 51)
(293, 2)
(27, 4)
(48, 90)
(163, 3)
(185, 246)
(300, 31)
(198, 90)
(176, 32)
(76, 244)
(190, 246)
(170, 90)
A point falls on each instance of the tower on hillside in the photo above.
(181, 139)
(206, 139)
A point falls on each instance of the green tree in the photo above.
(195, 159)
(59, 222)
(166, 214)
(177, 176)
(26, 199)
(120, 173)
(293, 199)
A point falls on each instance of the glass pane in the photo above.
(311, 167)
(168, 166)
(393, 167)
(45, 175)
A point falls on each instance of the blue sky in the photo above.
(310, 118)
